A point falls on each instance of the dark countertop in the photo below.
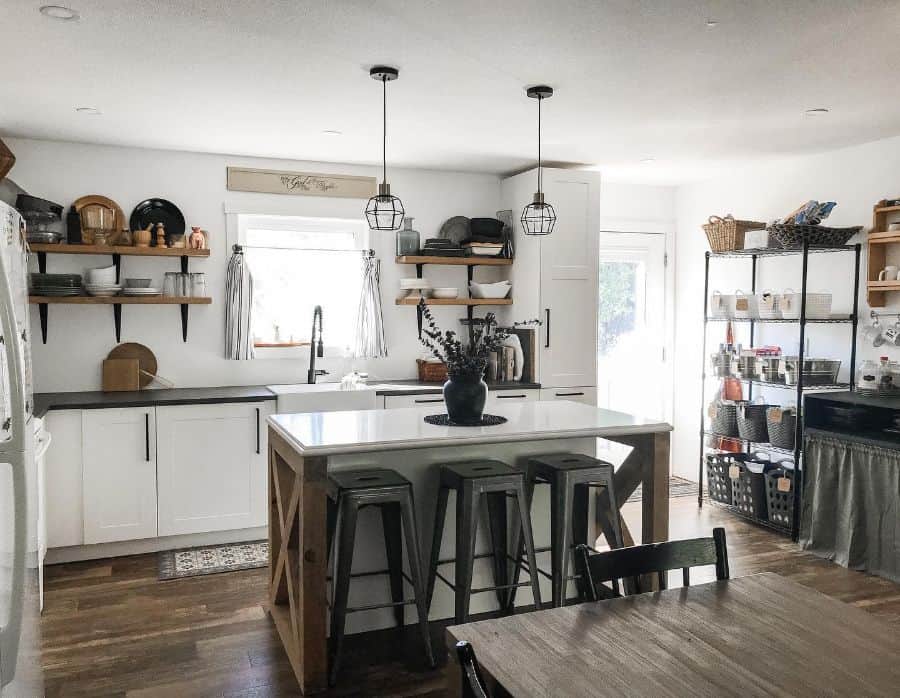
(93, 400)
(890, 402)
(414, 387)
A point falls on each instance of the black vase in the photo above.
(465, 396)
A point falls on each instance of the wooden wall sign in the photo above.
(299, 183)
(7, 160)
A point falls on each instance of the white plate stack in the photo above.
(102, 289)
(128, 291)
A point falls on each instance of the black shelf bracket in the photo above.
(43, 311)
(117, 319)
(42, 262)
(117, 261)
(184, 319)
(184, 264)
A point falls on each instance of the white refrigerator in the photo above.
(20, 673)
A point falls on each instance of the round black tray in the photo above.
(443, 420)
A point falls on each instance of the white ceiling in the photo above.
(634, 79)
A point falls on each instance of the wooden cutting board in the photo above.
(146, 360)
(121, 374)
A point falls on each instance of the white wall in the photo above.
(856, 178)
(80, 337)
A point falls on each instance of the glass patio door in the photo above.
(631, 371)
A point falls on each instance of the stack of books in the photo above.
(438, 247)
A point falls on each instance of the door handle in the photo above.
(422, 402)
(547, 335)
(147, 436)
(511, 397)
(257, 430)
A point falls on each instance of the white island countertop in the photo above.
(359, 431)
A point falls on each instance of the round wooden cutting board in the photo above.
(146, 359)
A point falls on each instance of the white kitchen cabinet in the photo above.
(498, 398)
(63, 492)
(566, 262)
(586, 395)
(211, 467)
(119, 456)
(392, 401)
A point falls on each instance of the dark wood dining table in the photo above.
(760, 635)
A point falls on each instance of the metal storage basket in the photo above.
(792, 236)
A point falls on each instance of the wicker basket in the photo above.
(723, 418)
(751, 422)
(727, 234)
(781, 422)
(791, 236)
(431, 371)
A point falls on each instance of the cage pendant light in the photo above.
(538, 217)
(384, 211)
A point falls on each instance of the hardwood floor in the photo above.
(111, 629)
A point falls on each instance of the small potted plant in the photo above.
(465, 391)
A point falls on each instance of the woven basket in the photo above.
(727, 234)
(431, 371)
(781, 423)
(723, 418)
(751, 422)
(792, 236)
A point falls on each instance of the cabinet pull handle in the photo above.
(147, 436)
(440, 399)
(257, 430)
(510, 397)
(547, 335)
(569, 394)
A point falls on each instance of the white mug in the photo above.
(873, 333)
(889, 273)
(892, 334)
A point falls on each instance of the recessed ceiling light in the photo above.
(647, 161)
(332, 132)
(711, 23)
(816, 112)
(89, 111)
(65, 14)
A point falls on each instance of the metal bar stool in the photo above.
(348, 492)
(571, 476)
(493, 482)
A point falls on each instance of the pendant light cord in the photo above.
(540, 99)
(384, 130)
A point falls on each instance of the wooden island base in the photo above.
(297, 516)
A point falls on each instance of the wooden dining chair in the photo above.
(631, 565)
(473, 684)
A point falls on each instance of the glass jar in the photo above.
(407, 239)
(198, 285)
(170, 284)
(869, 377)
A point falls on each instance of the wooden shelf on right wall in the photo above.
(879, 240)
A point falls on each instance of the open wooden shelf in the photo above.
(879, 239)
(456, 301)
(126, 251)
(120, 300)
(475, 261)
(116, 302)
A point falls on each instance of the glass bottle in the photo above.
(407, 239)
(885, 379)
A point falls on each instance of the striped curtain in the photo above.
(370, 341)
(239, 305)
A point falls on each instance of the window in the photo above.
(298, 263)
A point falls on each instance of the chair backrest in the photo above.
(473, 684)
(630, 564)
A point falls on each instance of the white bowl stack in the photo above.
(416, 287)
(497, 290)
(101, 281)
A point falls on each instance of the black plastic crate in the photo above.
(749, 491)
(718, 484)
(780, 503)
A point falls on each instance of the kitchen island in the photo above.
(303, 448)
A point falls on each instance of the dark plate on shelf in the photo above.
(153, 211)
(455, 229)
